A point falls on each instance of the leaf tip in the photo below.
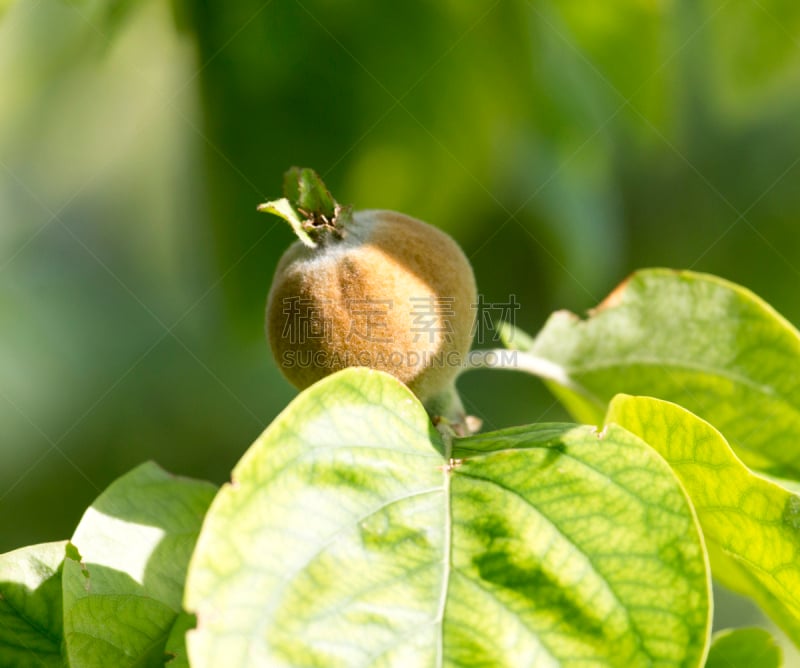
(71, 552)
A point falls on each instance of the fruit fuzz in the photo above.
(369, 288)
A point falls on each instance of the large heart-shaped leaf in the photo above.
(694, 339)
(751, 525)
(123, 580)
(30, 606)
(353, 535)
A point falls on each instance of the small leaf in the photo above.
(305, 190)
(694, 339)
(176, 656)
(352, 535)
(30, 606)
(123, 582)
(513, 337)
(744, 648)
(751, 525)
(284, 209)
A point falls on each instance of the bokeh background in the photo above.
(562, 143)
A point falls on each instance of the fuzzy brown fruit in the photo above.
(377, 289)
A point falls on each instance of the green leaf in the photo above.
(751, 525)
(30, 606)
(744, 648)
(353, 535)
(306, 191)
(697, 340)
(175, 651)
(309, 207)
(283, 209)
(123, 578)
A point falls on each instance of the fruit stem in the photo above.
(517, 360)
(309, 208)
(448, 414)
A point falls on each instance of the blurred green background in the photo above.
(563, 144)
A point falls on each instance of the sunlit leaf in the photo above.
(353, 535)
(751, 525)
(694, 339)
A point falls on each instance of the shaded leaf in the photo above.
(352, 535)
(176, 656)
(30, 606)
(123, 580)
(744, 648)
